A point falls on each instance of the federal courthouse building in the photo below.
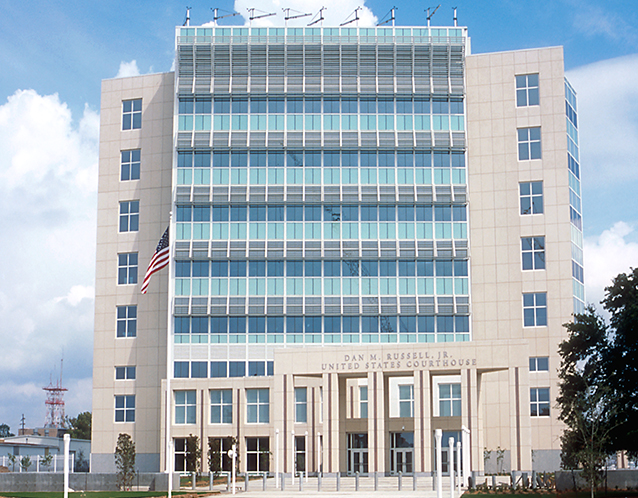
(375, 234)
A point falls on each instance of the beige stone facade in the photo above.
(371, 407)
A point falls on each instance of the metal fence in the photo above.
(37, 463)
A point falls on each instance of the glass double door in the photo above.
(357, 454)
(402, 453)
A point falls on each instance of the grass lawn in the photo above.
(101, 494)
(611, 493)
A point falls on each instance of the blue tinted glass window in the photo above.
(275, 268)
(332, 268)
(218, 369)
(350, 268)
(256, 268)
(181, 370)
(425, 268)
(369, 268)
(313, 213)
(294, 213)
(294, 268)
(407, 268)
(182, 269)
(237, 369)
(369, 213)
(276, 213)
(201, 269)
(313, 268)
(221, 159)
(388, 268)
(237, 268)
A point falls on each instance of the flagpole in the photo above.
(169, 355)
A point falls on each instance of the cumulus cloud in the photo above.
(48, 184)
(336, 12)
(606, 256)
(128, 69)
(608, 112)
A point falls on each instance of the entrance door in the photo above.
(403, 461)
(357, 454)
(401, 452)
(445, 452)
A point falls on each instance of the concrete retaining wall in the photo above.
(621, 479)
(34, 482)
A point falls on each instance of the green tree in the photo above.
(5, 431)
(25, 462)
(214, 456)
(193, 454)
(585, 401)
(621, 359)
(80, 426)
(125, 461)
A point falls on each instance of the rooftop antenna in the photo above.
(430, 14)
(259, 16)
(318, 17)
(296, 16)
(455, 19)
(22, 423)
(354, 19)
(187, 22)
(55, 402)
(216, 15)
(390, 19)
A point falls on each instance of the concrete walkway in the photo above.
(387, 486)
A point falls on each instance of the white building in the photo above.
(375, 234)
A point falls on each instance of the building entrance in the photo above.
(357, 454)
(401, 452)
(445, 451)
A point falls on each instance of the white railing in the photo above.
(38, 464)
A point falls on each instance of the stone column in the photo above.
(422, 422)
(331, 422)
(521, 433)
(470, 418)
(376, 422)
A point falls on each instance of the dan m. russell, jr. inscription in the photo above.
(397, 361)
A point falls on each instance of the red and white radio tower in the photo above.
(55, 403)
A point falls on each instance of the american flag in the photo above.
(158, 261)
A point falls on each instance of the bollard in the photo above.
(524, 480)
(283, 481)
(194, 479)
(300, 482)
(338, 481)
(376, 481)
(246, 481)
(356, 481)
(319, 481)
(400, 478)
(474, 477)
(513, 479)
(228, 482)
(494, 482)
(470, 483)
(414, 482)
(533, 479)
(265, 477)
(211, 481)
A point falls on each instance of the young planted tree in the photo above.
(125, 461)
(214, 456)
(193, 454)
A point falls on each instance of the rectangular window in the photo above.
(539, 364)
(533, 252)
(129, 216)
(531, 195)
(185, 407)
(131, 114)
(257, 406)
(406, 401)
(257, 454)
(221, 406)
(449, 400)
(130, 165)
(527, 90)
(529, 143)
(127, 268)
(301, 405)
(125, 408)
(539, 401)
(124, 373)
(535, 309)
(363, 401)
(126, 321)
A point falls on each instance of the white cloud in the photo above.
(128, 69)
(608, 115)
(48, 184)
(336, 12)
(606, 256)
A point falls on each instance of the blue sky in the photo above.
(54, 55)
